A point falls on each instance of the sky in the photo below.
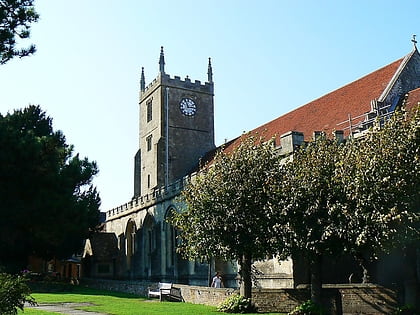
(269, 57)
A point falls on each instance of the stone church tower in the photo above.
(176, 128)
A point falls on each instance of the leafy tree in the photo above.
(16, 17)
(380, 175)
(227, 211)
(308, 199)
(361, 196)
(47, 200)
(14, 293)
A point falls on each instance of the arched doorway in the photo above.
(148, 244)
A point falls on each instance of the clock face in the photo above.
(187, 107)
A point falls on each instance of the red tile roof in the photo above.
(324, 113)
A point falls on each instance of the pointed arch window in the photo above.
(149, 143)
(130, 238)
(149, 110)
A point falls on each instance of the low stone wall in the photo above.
(134, 287)
(205, 295)
(342, 299)
(278, 300)
(366, 299)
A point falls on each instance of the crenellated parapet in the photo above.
(158, 195)
(187, 83)
(165, 80)
(176, 81)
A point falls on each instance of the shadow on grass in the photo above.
(65, 288)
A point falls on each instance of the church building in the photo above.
(176, 133)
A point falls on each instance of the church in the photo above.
(176, 133)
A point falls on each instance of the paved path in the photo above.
(64, 308)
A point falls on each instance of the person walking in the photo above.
(217, 281)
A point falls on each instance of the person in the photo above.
(217, 281)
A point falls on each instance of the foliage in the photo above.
(47, 200)
(308, 308)
(405, 310)
(311, 223)
(380, 176)
(236, 304)
(227, 210)
(360, 196)
(14, 293)
(309, 198)
(357, 196)
(16, 17)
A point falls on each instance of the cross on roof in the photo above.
(414, 40)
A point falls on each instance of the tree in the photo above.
(16, 17)
(47, 200)
(14, 293)
(227, 210)
(380, 175)
(311, 222)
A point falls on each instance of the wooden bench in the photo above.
(166, 292)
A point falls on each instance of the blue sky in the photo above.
(268, 58)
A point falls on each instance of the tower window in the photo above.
(149, 110)
(149, 142)
(148, 181)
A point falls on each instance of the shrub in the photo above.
(236, 304)
(406, 310)
(308, 308)
(14, 292)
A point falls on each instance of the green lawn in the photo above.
(116, 303)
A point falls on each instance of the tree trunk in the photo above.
(316, 279)
(363, 265)
(246, 283)
(210, 271)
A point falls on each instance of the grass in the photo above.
(115, 303)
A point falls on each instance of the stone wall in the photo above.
(139, 288)
(205, 295)
(366, 299)
(279, 300)
(342, 299)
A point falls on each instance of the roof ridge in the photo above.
(415, 90)
(397, 73)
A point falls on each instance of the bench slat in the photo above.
(166, 291)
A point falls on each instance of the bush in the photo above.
(308, 308)
(14, 292)
(236, 304)
(406, 310)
